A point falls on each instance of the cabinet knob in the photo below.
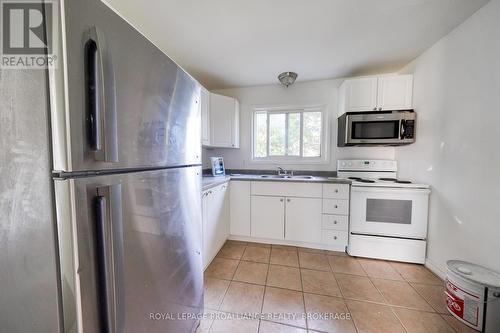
(336, 190)
(375, 109)
(334, 237)
(380, 109)
(281, 200)
(336, 206)
(288, 200)
(334, 222)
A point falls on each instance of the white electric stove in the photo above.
(388, 215)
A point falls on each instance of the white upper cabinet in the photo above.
(391, 92)
(361, 94)
(224, 121)
(205, 117)
(395, 92)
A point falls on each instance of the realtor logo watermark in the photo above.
(29, 34)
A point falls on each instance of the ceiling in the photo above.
(232, 43)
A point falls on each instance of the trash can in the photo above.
(473, 295)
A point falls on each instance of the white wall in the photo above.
(322, 92)
(457, 100)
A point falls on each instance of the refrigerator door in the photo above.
(28, 263)
(126, 104)
(130, 247)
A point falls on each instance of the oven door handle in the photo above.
(398, 190)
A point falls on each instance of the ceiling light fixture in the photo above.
(287, 78)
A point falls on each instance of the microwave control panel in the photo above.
(409, 129)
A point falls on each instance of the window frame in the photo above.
(293, 159)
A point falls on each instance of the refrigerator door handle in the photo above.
(109, 252)
(100, 98)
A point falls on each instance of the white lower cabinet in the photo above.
(239, 208)
(301, 214)
(268, 217)
(334, 237)
(303, 220)
(215, 221)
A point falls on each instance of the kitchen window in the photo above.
(295, 135)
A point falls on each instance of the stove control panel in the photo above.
(367, 165)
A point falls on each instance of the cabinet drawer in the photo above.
(334, 237)
(336, 191)
(335, 207)
(287, 189)
(335, 222)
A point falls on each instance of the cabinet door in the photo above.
(224, 117)
(221, 203)
(395, 92)
(205, 116)
(216, 222)
(205, 231)
(267, 217)
(303, 220)
(239, 208)
(361, 94)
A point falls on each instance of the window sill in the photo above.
(285, 161)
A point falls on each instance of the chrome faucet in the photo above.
(281, 171)
(284, 172)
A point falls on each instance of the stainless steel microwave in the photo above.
(376, 128)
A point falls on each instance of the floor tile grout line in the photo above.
(303, 299)
(229, 286)
(415, 289)
(352, 316)
(399, 319)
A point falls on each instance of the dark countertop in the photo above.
(211, 181)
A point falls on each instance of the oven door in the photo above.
(393, 212)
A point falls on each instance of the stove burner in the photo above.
(388, 179)
(354, 178)
(403, 181)
(365, 180)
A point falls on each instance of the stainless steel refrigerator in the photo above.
(100, 206)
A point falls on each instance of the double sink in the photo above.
(285, 177)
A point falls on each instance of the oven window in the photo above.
(375, 129)
(388, 211)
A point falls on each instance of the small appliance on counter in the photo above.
(388, 215)
(217, 166)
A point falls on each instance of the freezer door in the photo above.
(127, 105)
(135, 240)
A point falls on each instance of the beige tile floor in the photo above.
(364, 295)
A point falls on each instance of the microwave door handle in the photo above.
(403, 129)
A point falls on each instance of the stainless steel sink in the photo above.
(286, 177)
(274, 176)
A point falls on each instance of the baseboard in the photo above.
(287, 242)
(434, 268)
